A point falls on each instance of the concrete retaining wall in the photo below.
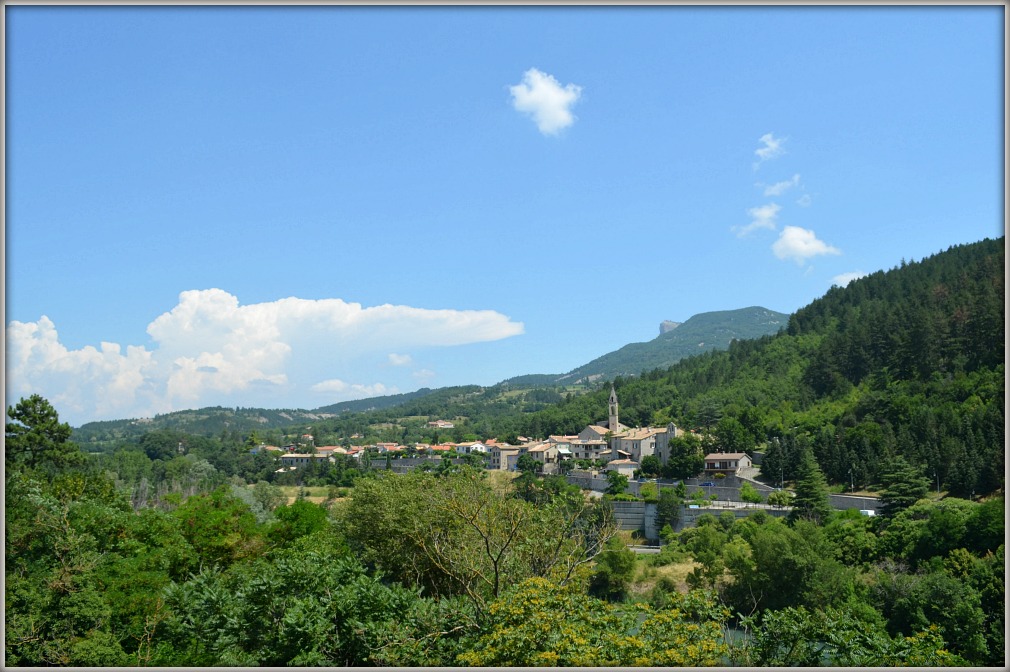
(629, 515)
(845, 502)
(405, 464)
(641, 516)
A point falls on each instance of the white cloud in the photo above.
(543, 98)
(772, 147)
(338, 390)
(762, 217)
(800, 244)
(804, 201)
(399, 360)
(209, 349)
(844, 279)
(423, 374)
(780, 188)
(89, 379)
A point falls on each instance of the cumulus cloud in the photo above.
(800, 244)
(844, 279)
(90, 379)
(543, 98)
(210, 349)
(399, 360)
(771, 148)
(780, 188)
(762, 217)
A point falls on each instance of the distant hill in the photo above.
(532, 380)
(373, 403)
(215, 419)
(701, 333)
(208, 421)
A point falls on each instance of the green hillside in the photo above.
(701, 333)
(209, 421)
(906, 362)
(372, 403)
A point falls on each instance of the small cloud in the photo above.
(543, 98)
(345, 391)
(780, 188)
(845, 278)
(771, 149)
(800, 244)
(762, 217)
(264, 383)
(804, 201)
(399, 360)
(423, 374)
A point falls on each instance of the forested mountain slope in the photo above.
(904, 362)
(701, 333)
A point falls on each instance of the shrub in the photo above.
(780, 498)
(649, 491)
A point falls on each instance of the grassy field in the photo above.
(647, 577)
(317, 495)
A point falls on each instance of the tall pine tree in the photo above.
(811, 500)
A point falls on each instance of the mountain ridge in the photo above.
(717, 328)
(712, 330)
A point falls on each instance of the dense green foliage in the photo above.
(456, 567)
(541, 624)
(172, 547)
(909, 581)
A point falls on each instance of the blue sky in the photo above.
(290, 207)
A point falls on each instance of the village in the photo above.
(607, 445)
(584, 460)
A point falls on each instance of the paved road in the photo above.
(646, 550)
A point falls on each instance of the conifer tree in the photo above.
(35, 437)
(811, 500)
(904, 485)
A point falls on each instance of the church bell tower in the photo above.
(613, 424)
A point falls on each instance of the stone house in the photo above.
(635, 444)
